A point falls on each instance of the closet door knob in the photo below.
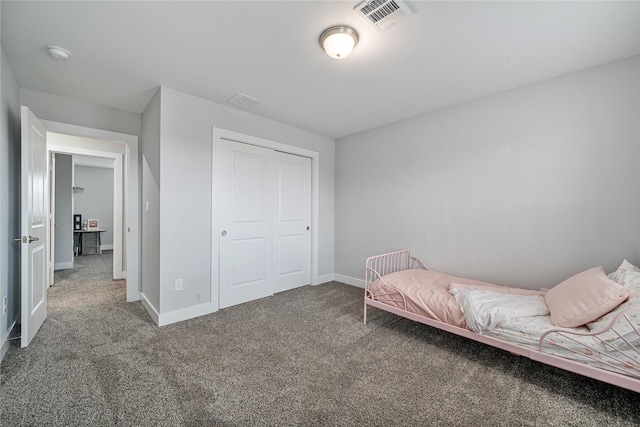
(224, 233)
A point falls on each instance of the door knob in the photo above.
(224, 233)
(24, 239)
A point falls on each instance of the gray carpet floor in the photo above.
(301, 357)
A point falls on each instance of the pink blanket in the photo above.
(426, 292)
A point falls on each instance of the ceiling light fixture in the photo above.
(58, 52)
(338, 41)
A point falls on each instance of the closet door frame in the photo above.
(223, 134)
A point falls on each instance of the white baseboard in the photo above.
(340, 278)
(349, 280)
(149, 307)
(184, 314)
(63, 265)
(4, 346)
(323, 279)
(106, 247)
(163, 319)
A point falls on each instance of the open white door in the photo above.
(34, 225)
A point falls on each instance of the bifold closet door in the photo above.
(264, 205)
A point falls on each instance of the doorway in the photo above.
(85, 189)
(123, 150)
(80, 150)
(36, 208)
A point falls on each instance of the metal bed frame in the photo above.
(380, 265)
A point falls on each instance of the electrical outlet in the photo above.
(179, 285)
(5, 305)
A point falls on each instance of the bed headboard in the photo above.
(379, 265)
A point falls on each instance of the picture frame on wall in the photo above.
(92, 224)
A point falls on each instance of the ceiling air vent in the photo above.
(243, 101)
(383, 14)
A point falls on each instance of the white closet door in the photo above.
(293, 220)
(245, 175)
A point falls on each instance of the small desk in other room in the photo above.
(87, 242)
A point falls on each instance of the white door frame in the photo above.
(215, 215)
(51, 159)
(131, 221)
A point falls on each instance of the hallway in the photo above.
(89, 268)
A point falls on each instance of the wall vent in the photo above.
(383, 14)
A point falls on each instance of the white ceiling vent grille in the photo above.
(383, 14)
(243, 101)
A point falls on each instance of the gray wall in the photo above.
(63, 250)
(9, 200)
(97, 199)
(72, 111)
(524, 188)
(185, 165)
(150, 149)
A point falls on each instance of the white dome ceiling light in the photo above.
(58, 52)
(338, 41)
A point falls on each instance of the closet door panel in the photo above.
(293, 220)
(244, 176)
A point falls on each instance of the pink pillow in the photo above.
(583, 298)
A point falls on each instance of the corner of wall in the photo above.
(9, 200)
(5, 341)
(150, 199)
(151, 309)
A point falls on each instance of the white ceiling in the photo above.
(445, 54)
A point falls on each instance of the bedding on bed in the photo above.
(527, 331)
(485, 310)
(522, 317)
(427, 293)
(627, 275)
(511, 315)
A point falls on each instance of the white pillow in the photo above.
(626, 275)
(484, 310)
